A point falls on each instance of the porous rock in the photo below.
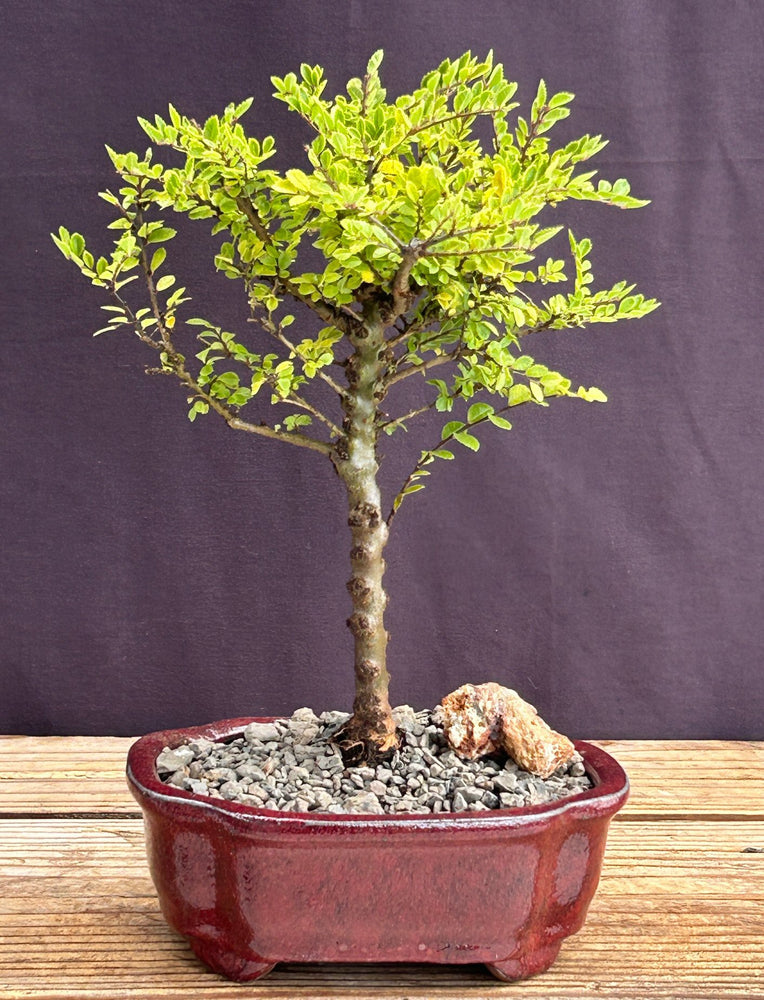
(481, 719)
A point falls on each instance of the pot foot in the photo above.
(230, 964)
(527, 964)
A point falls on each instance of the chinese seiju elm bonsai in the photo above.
(424, 211)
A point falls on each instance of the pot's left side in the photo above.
(189, 845)
(192, 877)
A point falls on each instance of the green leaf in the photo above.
(375, 61)
(211, 128)
(451, 428)
(478, 412)
(161, 234)
(200, 406)
(592, 395)
(498, 421)
(166, 281)
(558, 100)
(537, 392)
(157, 259)
(518, 393)
(468, 440)
(443, 453)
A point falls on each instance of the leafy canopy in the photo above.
(409, 208)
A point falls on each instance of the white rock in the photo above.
(262, 731)
(363, 802)
(174, 760)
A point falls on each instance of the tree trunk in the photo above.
(371, 730)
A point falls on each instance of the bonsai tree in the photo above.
(406, 247)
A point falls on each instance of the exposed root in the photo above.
(359, 746)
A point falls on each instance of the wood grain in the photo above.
(77, 775)
(679, 914)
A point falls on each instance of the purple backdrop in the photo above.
(604, 560)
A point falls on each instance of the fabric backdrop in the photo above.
(606, 561)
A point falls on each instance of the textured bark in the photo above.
(371, 730)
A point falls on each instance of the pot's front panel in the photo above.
(408, 904)
(443, 896)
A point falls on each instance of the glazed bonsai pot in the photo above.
(252, 887)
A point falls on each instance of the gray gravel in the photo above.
(292, 765)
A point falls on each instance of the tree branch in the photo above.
(176, 365)
(343, 317)
(473, 253)
(428, 456)
(401, 289)
(234, 421)
(275, 331)
(373, 167)
(440, 359)
(389, 424)
(449, 118)
(434, 239)
(305, 405)
(388, 232)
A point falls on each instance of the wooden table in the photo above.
(679, 913)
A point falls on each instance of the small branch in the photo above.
(134, 321)
(305, 405)
(435, 236)
(174, 359)
(426, 458)
(234, 421)
(275, 331)
(539, 327)
(450, 118)
(427, 125)
(435, 239)
(440, 359)
(532, 134)
(291, 437)
(481, 250)
(429, 314)
(342, 317)
(149, 279)
(256, 222)
(389, 424)
(388, 232)
(321, 374)
(408, 330)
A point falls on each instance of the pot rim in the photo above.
(609, 792)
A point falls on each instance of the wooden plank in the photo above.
(679, 914)
(50, 775)
(691, 777)
(679, 956)
(66, 775)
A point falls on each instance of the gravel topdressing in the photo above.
(292, 765)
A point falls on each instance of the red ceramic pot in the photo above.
(252, 887)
